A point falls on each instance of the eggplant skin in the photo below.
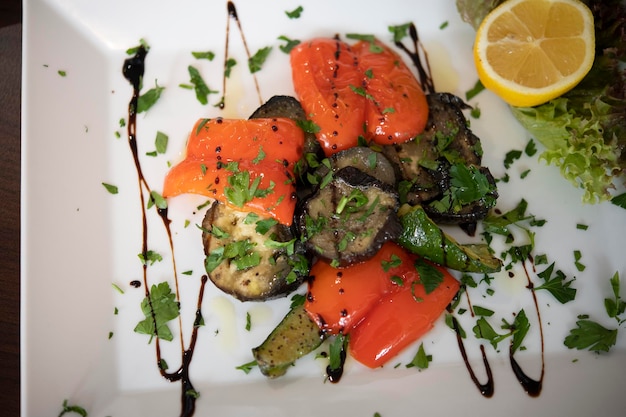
(349, 219)
(275, 272)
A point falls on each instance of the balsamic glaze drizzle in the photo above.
(232, 14)
(133, 70)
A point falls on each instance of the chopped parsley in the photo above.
(204, 55)
(289, 44)
(247, 367)
(72, 409)
(474, 91)
(295, 13)
(110, 188)
(421, 359)
(255, 63)
(200, 87)
(242, 188)
(159, 308)
(430, 277)
(399, 31)
(557, 284)
(149, 98)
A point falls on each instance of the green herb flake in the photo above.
(62, 73)
(149, 98)
(393, 262)
(337, 351)
(557, 284)
(201, 88)
(615, 307)
(161, 142)
(157, 200)
(531, 148)
(474, 91)
(149, 258)
(590, 335)
(619, 200)
(399, 31)
(430, 276)
(289, 44)
(295, 13)
(134, 49)
(510, 157)
(67, 408)
(158, 308)
(117, 288)
(248, 321)
(308, 126)
(228, 66)
(581, 226)
(484, 312)
(110, 188)
(247, 367)
(371, 39)
(421, 359)
(204, 55)
(255, 63)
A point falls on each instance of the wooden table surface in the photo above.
(10, 101)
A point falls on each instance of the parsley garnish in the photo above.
(72, 409)
(200, 87)
(308, 126)
(158, 200)
(161, 306)
(289, 45)
(110, 188)
(557, 284)
(247, 367)
(150, 257)
(474, 91)
(590, 335)
(394, 261)
(295, 13)
(619, 200)
(149, 98)
(615, 307)
(337, 351)
(399, 31)
(160, 142)
(371, 39)
(241, 189)
(228, 66)
(430, 276)
(255, 63)
(421, 359)
(204, 55)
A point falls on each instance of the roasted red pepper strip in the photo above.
(380, 303)
(398, 320)
(397, 109)
(325, 72)
(227, 156)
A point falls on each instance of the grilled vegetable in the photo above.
(287, 106)
(295, 336)
(250, 257)
(348, 219)
(441, 168)
(422, 236)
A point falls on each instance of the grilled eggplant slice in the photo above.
(363, 158)
(348, 219)
(249, 257)
(429, 165)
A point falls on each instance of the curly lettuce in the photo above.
(583, 131)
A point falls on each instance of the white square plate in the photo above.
(78, 240)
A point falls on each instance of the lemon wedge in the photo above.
(531, 51)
